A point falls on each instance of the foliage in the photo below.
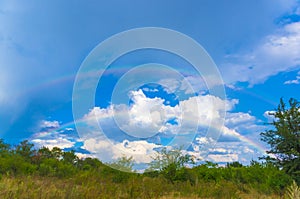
(25, 149)
(284, 138)
(123, 164)
(170, 163)
(3, 147)
(27, 172)
(169, 158)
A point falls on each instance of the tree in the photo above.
(284, 138)
(4, 148)
(70, 157)
(56, 153)
(45, 152)
(88, 163)
(171, 164)
(25, 149)
(165, 158)
(123, 164)
(234, 164)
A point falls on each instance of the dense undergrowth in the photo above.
(44, 173)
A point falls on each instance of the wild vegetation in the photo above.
(284, 138)
(27, 172)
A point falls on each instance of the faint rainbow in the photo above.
(58, 80)
(256, 145)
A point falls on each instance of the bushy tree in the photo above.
(171, 164)
(70, 157)
(169, 158)
(89, 163)
(3, 146)
(56, 153)
(234, 164)
(45, 152)
(284, 137)
(123, 164)
(25, 149)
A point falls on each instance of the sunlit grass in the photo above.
(293, 191)
(141, 187)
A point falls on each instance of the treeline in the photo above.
(90, 178)
(25, 159)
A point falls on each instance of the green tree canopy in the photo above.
(284, 138)
(123, 164)
(3, 146)
(164, 158)
(171, 163)
(25, 149)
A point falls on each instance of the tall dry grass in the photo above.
(293, 191)
(31, 187)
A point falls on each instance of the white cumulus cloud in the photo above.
(49, 124)
(294, 81)
(141, 151)
(278, 52)
(57, 141)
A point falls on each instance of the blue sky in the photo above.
(254, 44)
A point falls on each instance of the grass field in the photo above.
(49, 187)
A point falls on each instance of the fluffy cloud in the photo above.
(278, 52)
(152, 117)
(151, 113)
(243, 122)
(149, 116)
(224, 152)
(144, 118)
(294, 81)
(223, 157)
(51, 135)
(49, 124)
(243, 152)
(191, 118)
(146, 115)
(141, 151)
(238, 118)
(269, 116)
(239, 141)
(56, 141)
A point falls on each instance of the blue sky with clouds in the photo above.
(255, 45)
